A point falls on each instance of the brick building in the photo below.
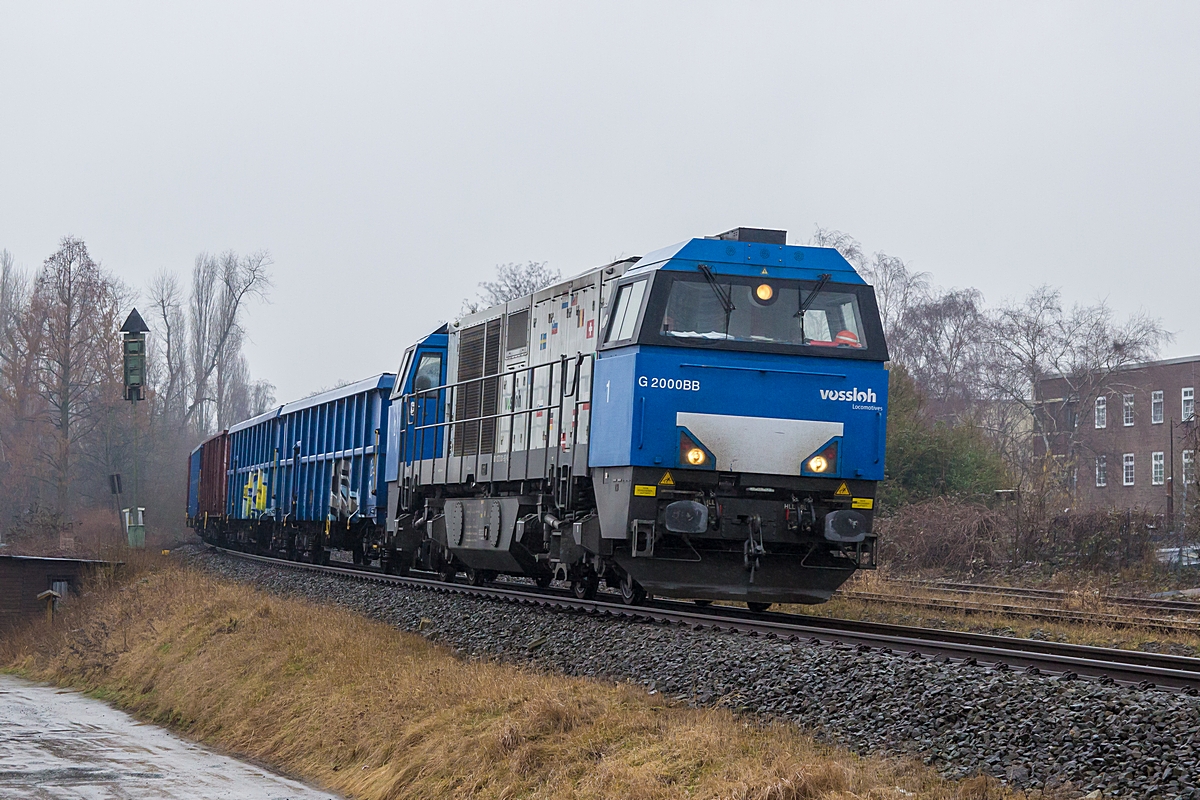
(23, 578)
(1127, 432)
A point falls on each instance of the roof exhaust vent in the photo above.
(755, 236)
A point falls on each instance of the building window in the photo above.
(1156, 408)
(1157, 469)
(1127, 405)
(1102, 470)
(1189, 466)
(1189, 404)
(1127, 464)
(1101, 412)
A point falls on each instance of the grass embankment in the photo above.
(1083, 597)
(363, 709)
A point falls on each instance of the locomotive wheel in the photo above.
(584, 587)
(632, 593)
(757, 608)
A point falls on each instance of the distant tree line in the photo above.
(966, 417)
(64, 427)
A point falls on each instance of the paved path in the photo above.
(56, 745)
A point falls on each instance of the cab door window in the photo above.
(429, 372)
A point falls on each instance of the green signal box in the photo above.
(133, 344)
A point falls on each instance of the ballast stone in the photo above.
(1032, 731)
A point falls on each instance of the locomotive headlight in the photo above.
(692, 453)
(824, 461)
(764, 292)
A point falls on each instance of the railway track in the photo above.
(998, 652)
(1152, 603)
(1030, 612)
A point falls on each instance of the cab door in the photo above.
(396, 421)
(425, 406)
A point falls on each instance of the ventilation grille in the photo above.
(478, 356)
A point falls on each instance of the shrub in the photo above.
(927, 458)
(959, 536)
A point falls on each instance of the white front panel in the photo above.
(766, 445)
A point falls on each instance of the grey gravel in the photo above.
(1032, 731)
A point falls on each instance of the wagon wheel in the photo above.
(584, 586)
(757, 608)
(632, 593)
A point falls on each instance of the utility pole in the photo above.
(133, 348)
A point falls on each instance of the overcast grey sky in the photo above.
(389, 155)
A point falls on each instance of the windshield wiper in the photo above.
(822, 279)
(726, 300)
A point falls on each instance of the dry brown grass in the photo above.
(1084, 598)
(368, 711)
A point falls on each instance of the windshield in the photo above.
(753, 310)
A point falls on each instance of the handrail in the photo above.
(531, 402)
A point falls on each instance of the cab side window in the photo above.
(625, 311)
(429, 372)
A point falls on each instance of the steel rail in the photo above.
(1066, 660)
(1156, 603)
(1030, 612)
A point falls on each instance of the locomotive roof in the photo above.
(800, 262)
(797, 262)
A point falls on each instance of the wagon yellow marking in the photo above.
(642, 490)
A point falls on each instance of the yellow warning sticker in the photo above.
(667, 480)
(764, 272)
(843, 490)
(641, 490)
(862, 502)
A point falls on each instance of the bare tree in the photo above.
(1052, 362)
(169, 335)
(942, 345)
(19, 342)
(897, 288)
(844, 243)
(14, 294)
(76, 305)
(262, 397)
(512, 281)
(220, 287)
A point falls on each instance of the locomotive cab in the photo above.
(739, 424)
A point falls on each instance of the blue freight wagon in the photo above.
(303, 478)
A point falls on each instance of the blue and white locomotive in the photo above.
(707, 421)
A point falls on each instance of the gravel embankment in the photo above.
(1030, 730)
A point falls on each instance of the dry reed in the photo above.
(371, 712)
